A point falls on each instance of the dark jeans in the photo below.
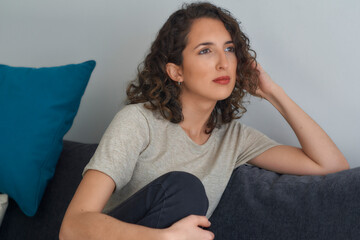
(164, 201)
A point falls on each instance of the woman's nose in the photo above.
(222, 62)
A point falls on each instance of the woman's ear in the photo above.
(174, 72)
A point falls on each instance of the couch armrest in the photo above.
(260, 204)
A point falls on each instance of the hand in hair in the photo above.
(266, 85)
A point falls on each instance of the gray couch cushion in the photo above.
(259, 204)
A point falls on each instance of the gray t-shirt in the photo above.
(140, 145)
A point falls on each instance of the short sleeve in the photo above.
(123, 141)
(252, 144)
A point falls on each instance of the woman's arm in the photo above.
(318, 153)
(84, 220)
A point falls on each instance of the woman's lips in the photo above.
(222, 80)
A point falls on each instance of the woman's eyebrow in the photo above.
(204, 44)
(210, 43)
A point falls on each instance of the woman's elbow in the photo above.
(345, 166)
(341, 166)
(65, 232)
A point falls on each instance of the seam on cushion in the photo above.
(46, 160)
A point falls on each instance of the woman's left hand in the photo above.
(266, 85)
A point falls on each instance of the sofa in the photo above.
(45, 224)
(257, 204)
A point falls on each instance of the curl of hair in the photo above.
(154, 86)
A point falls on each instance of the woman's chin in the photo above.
(223, 96)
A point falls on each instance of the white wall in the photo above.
(311, 48)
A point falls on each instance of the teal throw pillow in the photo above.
(37, 108)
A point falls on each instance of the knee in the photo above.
(189, 190)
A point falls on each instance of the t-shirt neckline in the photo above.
(194, 144)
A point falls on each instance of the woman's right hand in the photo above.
(188, 228)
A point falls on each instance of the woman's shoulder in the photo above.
(129, 114)
(237, 128)
(140, 111)
(232, 125)
(134, 109)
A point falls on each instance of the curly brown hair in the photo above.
(154, 86)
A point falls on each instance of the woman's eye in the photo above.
(204, 51)
(230, 49)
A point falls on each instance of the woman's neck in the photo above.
(196, 116)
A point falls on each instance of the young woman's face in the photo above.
(209, 62)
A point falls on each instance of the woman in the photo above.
(165, 159)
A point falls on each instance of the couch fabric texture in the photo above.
(257, 204)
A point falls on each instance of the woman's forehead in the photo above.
(207, 30)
